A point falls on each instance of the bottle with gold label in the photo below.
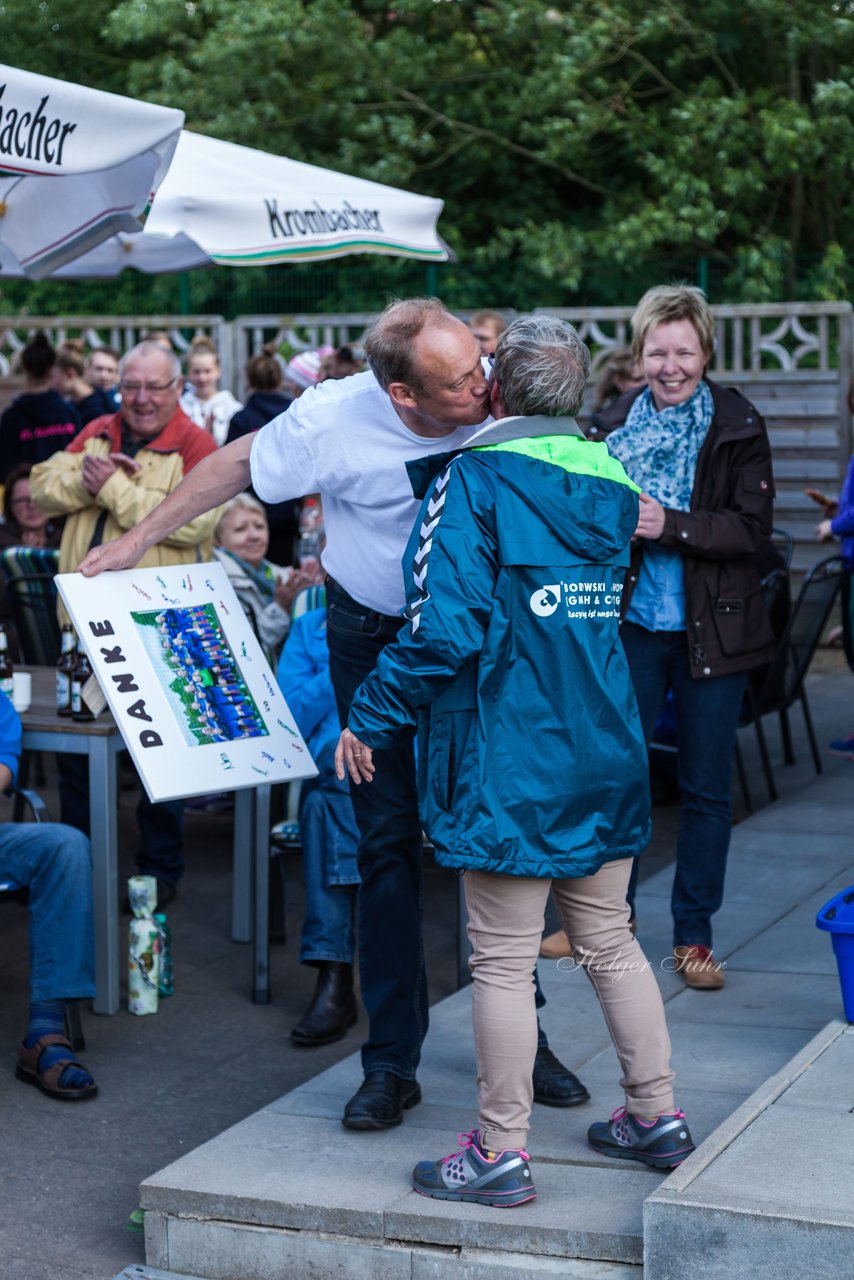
(6, 668)
(79, 676)
(64, 668)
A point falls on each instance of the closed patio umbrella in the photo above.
(76, 166)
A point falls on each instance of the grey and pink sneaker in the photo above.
(663, 1142)
(499, 1178)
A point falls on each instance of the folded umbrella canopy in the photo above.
(76, 166)
(248, 208)
(229, 204)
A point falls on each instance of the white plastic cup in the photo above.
(22, 691)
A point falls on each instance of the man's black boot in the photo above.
(554, 1084)
(381, 1101)
(332, 1011)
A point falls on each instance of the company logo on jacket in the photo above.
(545, 600)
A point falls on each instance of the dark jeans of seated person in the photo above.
(161, 826)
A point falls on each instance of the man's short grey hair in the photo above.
(389, 340)
(541, 366)
(147, 347)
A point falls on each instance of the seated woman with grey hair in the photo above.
(265, 590)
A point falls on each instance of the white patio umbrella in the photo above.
(248, 208)
(76, 166)
(233, 205)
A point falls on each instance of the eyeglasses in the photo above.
(22, 502)
(150, 388)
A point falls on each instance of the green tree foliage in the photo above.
(568, 140)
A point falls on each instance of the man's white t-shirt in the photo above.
(345, 441)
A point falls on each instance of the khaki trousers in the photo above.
(505, 929)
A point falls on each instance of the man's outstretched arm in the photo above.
(214, 480)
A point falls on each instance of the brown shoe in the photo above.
(556, 946)
(699, 968)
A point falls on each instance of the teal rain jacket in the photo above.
(531, 758)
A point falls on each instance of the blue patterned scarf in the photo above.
(262, 575)
(660, 450)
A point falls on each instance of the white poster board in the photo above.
(186, 680)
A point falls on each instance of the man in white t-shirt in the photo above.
(349, 440)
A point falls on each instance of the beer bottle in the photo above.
(79, 676)
(6, 668)
(64, 668)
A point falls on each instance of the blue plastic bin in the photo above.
(837, 918)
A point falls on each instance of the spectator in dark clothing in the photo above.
(102, 372)
(40, 422)
(71, 382)
(265, 376)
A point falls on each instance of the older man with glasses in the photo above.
(111, 476)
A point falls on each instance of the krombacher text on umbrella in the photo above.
(284, 222)
(32, 135)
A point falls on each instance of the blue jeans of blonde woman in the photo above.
(707, 713)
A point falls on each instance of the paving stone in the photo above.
(287, 1171)
(224, 1251)
(480, 1264)
(579, 1212)
(787, 1164)
(770, 1194)
(828, 1083)
(798, 1000)
(794, 944)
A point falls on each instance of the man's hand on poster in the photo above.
(353, 757)
(97, 471)
(124, 553)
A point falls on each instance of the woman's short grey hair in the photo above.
(666, 303)
(241, 501)
(389, 340)
(146, 347)
(541, 366)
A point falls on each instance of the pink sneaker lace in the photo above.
(465, 1140)
(622, 1129)
(472, 1139)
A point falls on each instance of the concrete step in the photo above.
(771, 1193)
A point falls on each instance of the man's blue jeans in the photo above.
(55, 863)
(330, 841)
(707, 712)
(391, 954)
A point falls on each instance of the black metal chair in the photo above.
(11, 891)
(782, 684)
(32, 595)
(784, 542)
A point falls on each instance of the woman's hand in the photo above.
(353, 757)
(823, 531)
(287, 590)
(650, 518)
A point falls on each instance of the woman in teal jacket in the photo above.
(533, 770)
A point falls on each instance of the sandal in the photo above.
(48, 1081)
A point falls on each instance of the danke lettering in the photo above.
(32, 135)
